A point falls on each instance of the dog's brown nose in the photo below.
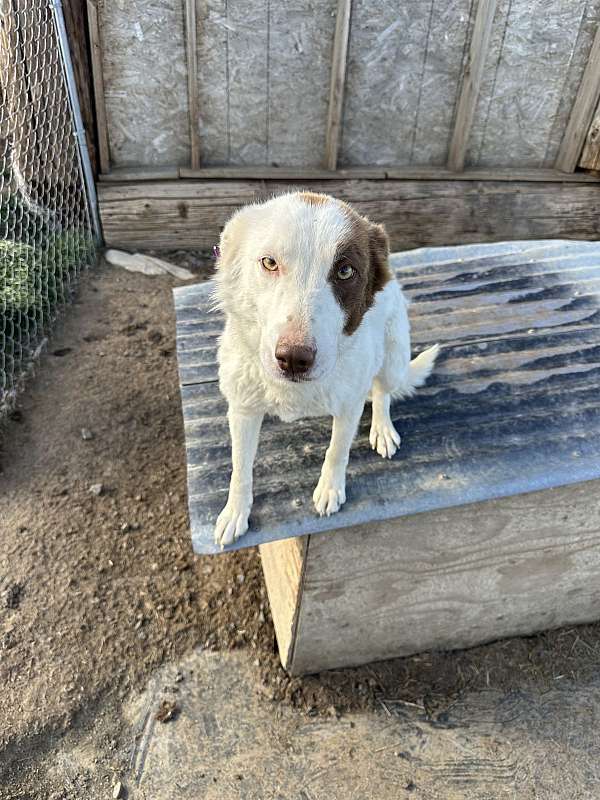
(295, 360)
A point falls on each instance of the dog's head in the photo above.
(301, 269)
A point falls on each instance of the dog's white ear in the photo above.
(232, 238)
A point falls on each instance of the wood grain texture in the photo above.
(450, 579)
(145, 82)
(511, 407)
(191, 49)
(590, 158)
(169, 214)
(582, 113)
(413, 173)
(283, 568)
(98, 84)
(471, 83)
(530, 81)
(75, 14)
(337, 83)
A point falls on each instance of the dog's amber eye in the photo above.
(269, 264)
(345, 271)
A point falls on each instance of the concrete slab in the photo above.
(226, 741)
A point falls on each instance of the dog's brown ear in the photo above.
(379, 250)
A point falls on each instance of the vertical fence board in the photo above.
(583, 111)
(98, 83)
(192, 81)
(590, 158)
(471, 83)
(337, 82)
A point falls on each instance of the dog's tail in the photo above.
(418, 371)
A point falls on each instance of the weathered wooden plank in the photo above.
(283, 566)
(98, 83)
(583, 111)
(471, 83)
(590, 158)
(191, 47)
(416, 213)
(450, 578)
(511, 408)
(75, 14)
(414, 173)
(337, 83)
(283, 173)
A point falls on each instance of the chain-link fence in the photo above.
(46, 233)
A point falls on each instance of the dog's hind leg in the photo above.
(383, 436)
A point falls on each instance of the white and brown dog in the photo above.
(315, 324)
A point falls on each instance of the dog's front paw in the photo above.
(232, 522)
(330, 494)
(384, 438)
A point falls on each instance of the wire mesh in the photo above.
(46, 234)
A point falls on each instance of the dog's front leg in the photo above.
(232, 522)
(330, 493)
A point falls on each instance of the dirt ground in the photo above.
(98, 584)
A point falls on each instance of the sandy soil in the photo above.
(98, 584)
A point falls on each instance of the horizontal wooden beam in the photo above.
(582, 113)
(179, 214)
(416, 173)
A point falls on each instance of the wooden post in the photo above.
(338, 81)
(98, 80)
(590, 158)
(192, 82)
(582, 112)
(471, 84)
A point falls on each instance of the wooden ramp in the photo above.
(512, 408)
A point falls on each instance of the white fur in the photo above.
(372, 363)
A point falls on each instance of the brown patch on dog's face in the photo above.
(366, 250)
(314, 199)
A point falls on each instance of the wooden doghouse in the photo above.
(487, 521)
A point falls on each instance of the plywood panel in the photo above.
(535, 63)
(145, 81)
(283, 568)
(403, 70)
(264, 80)
(450, 579)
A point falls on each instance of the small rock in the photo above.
(167, 711)
(97, 489)
(125, 527)
(179, 677)
(118, 790)
(86, 434)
